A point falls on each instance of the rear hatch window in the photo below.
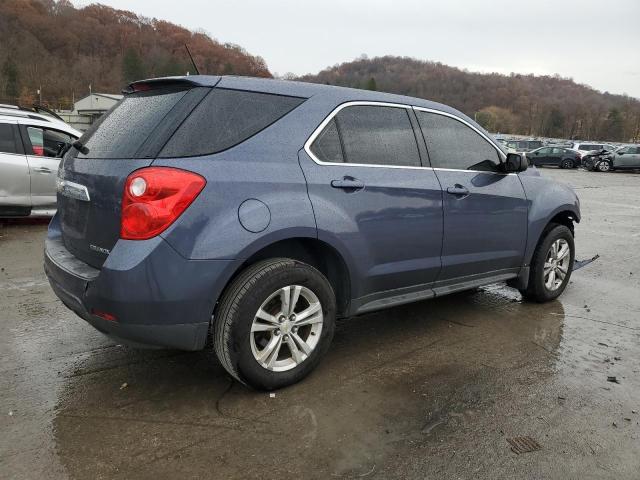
(122, 131)
(171, 121)
(208, 120)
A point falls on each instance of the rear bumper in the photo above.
(159, 298)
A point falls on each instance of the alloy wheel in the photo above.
(286, 328)
(556, 265)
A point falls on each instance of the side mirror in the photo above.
(620, 153)
(515, 163)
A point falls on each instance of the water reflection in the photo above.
(400, 377)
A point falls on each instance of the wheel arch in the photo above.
(567, 215)
(317, 253)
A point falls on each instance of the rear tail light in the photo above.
(154, 198)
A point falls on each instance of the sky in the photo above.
(595, 42)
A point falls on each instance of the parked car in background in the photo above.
(29, 145)
(585, 147)
(523, 146)
(253, 212)
(597, 160)
(626, 158)
(554, 156)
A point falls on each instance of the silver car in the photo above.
(627, 157)
(29, 144)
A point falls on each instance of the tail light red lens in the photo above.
(154, 198)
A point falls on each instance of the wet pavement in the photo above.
(429, 390)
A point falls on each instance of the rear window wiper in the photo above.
(78, 145)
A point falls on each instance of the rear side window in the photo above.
(226, 118)
(123, 130)
(326, 146)
(375, 135)
(452, 144)
(8, 142)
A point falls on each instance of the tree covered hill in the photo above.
(63, 49)
(524, 104)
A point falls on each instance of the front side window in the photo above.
(46, 142)
(7, 139)
(452, 144)
(377, 135)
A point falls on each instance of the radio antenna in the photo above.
(192, 61)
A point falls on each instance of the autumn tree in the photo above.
(132, 66)
(65, 49)
(371, 84)
(530, 105)
(10, 77)
(496, 119)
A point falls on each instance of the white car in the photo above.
(584, 147)
(29, 145)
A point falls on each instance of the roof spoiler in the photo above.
(156, 83)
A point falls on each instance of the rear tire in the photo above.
(256, 334)
(545, 283)
(567, 163)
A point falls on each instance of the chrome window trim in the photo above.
(335, 111)
(501, 154)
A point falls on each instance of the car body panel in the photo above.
(15, 188)
(545, 200)
(628, 158)
(392, 227)
(485, 230)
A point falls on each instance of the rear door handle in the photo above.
(42, 170)
(348, 184)
(458, 190)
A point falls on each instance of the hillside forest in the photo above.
(52, 52)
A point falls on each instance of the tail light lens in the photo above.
(154, 198)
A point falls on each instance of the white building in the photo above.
(88, 109)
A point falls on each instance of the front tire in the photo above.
(604, 166)
(551, 265)
(274, 323)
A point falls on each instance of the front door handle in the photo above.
(458, 190)
(42, 170)
(348, 183)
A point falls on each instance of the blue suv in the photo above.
(250, 213)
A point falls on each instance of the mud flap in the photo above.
(521, 282)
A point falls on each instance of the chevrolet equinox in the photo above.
(248, 214)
